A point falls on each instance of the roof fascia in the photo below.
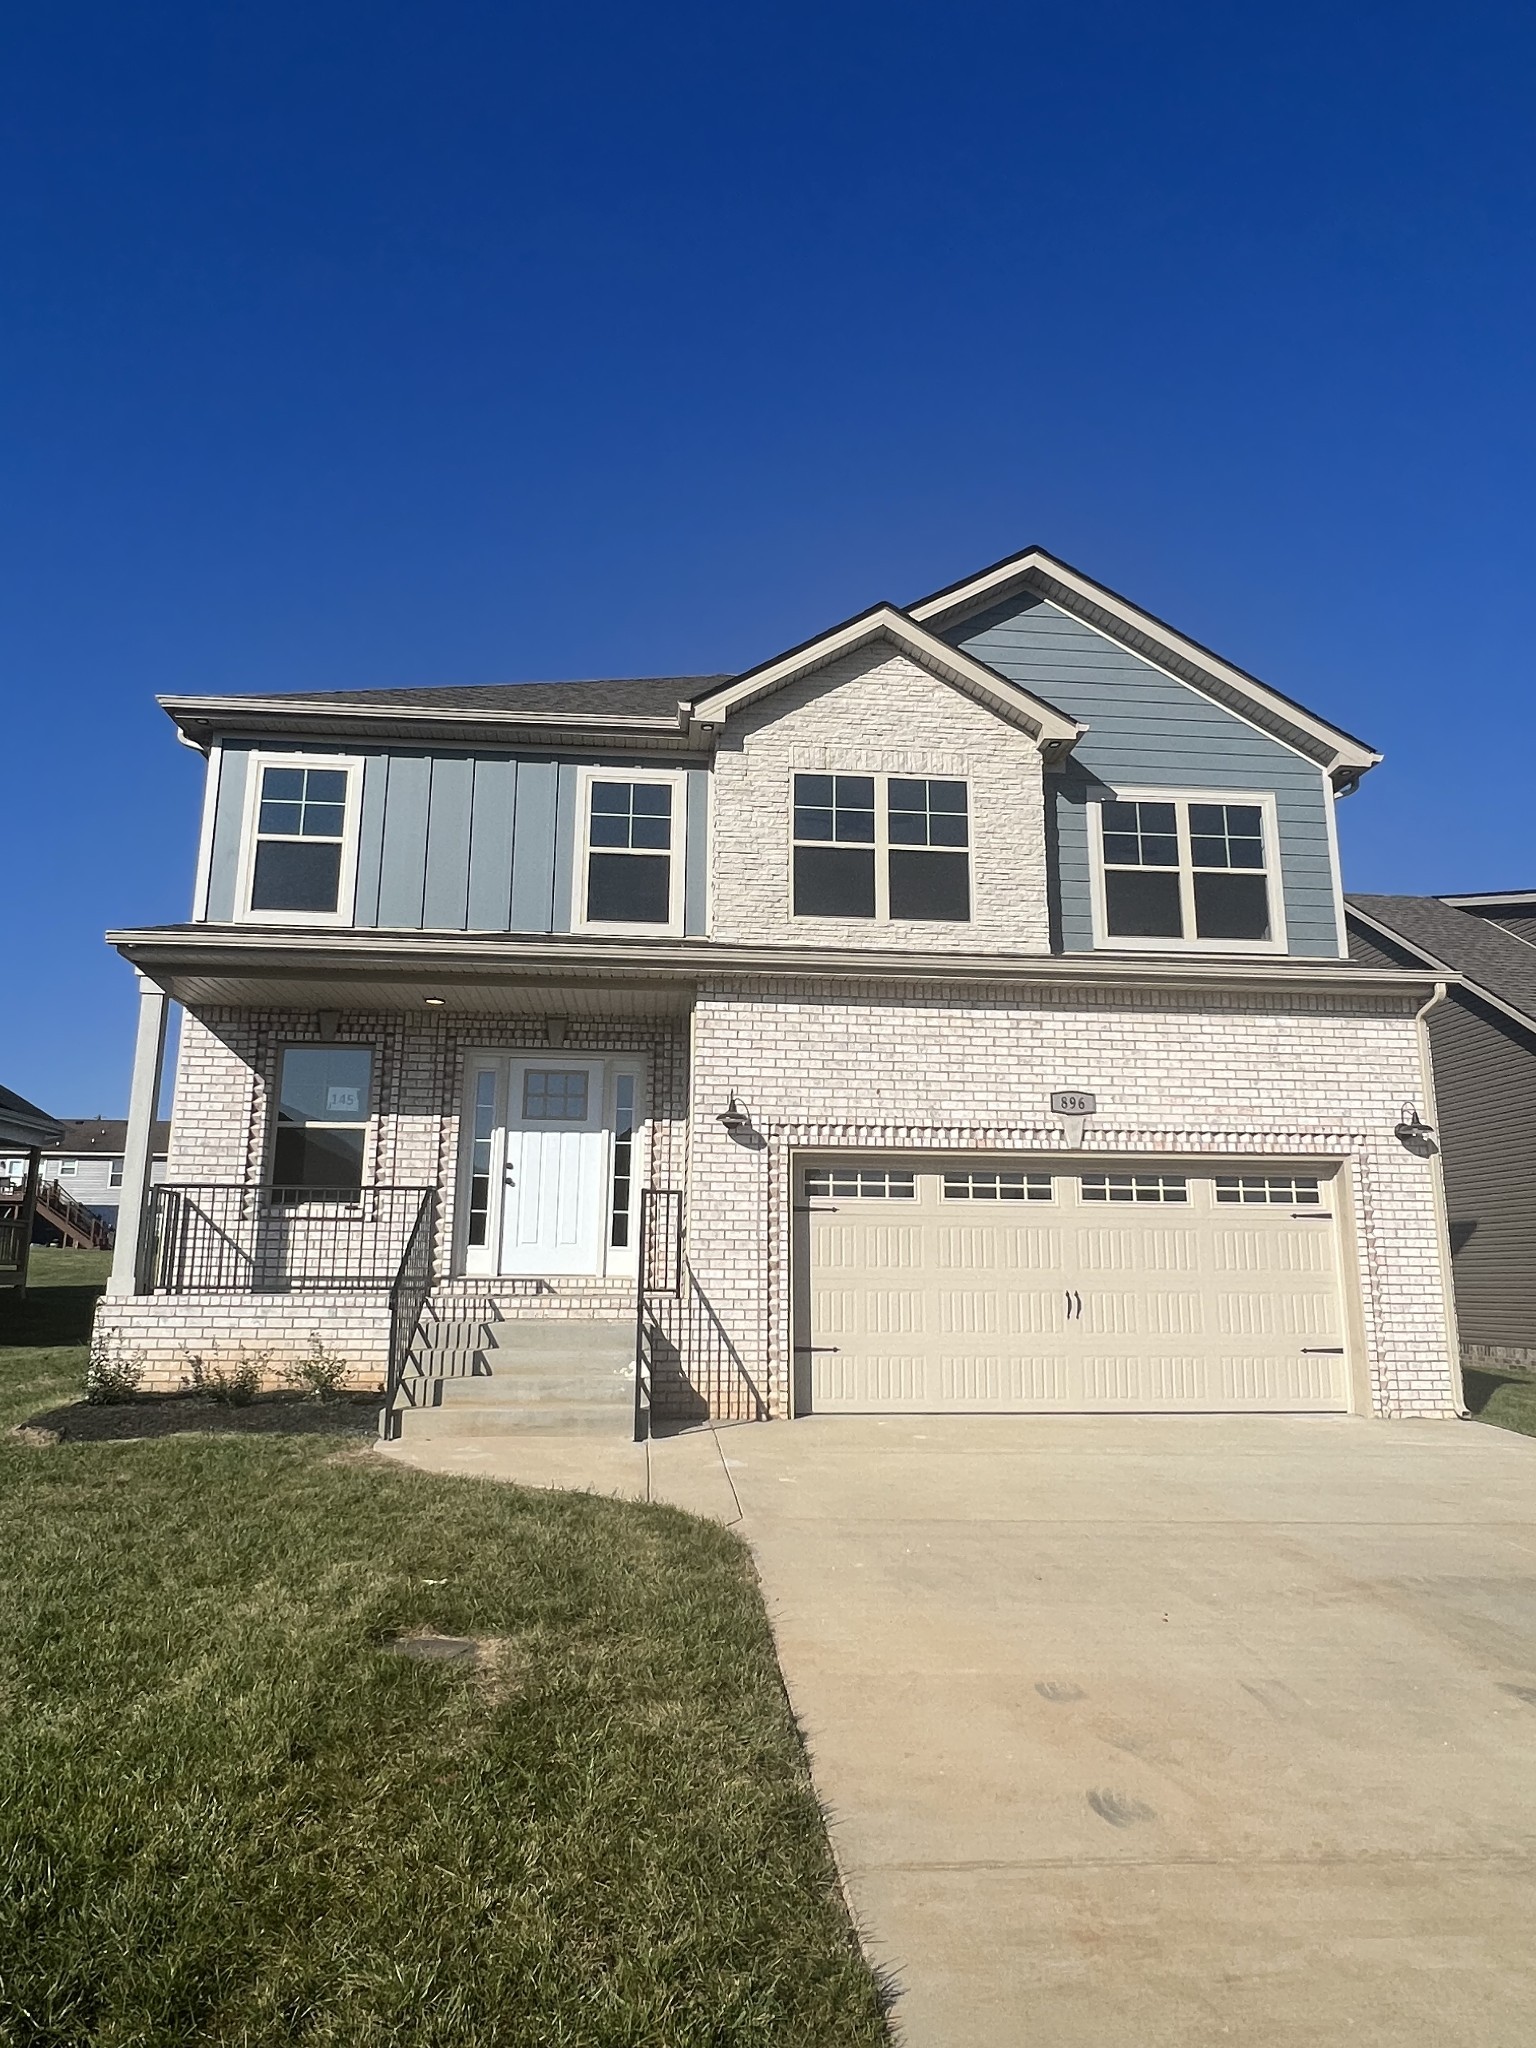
(1345, 757)
(241, 948)
(1440, 968)
(1052, 728)
(1499, 899)
(197, 718)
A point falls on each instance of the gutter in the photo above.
(464, 958)
(1442, 1218)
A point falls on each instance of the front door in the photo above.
(556, 1162)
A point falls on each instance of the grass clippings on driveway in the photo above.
(231, 1813)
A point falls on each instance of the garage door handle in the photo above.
(1322, 1350)
(818, 1347)
(815, 1208)
(1074, 1306)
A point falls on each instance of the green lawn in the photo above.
(1505, 1398)
(229, 1813)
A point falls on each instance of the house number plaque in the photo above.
(1073, 1102)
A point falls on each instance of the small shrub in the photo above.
(113, 1373)
(236, 1382)
(321, 1373)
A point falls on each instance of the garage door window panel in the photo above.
(1188, 872)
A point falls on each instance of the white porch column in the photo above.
(143, 1101)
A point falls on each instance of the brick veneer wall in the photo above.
(877, 712)
(1174, 1074)
(226, 1076)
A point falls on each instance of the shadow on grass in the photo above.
(50, 1318)
(1506, 1399)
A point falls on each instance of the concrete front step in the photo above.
(479, 1376)
(555, 1418)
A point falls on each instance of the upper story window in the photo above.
(882, 847)
(1188, 871)
(301, 839)
(632, 866)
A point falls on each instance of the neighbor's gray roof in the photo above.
(1490, 959)
(89, 1136)
(22, 1122)
(620, 697)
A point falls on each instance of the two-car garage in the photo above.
(964, 1285)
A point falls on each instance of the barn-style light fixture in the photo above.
(734, 1118)
(1411, 1128)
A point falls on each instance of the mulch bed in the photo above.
(352, 1415)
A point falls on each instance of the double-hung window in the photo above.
(632, 852)
(882, 846)
(1194, 871)
(301, 839)
(323, 1099)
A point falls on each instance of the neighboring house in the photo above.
(952, 1013)
(87, 1162)
(1484, 1046)
(24, 1131)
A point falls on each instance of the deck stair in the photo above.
(474, 1372)
(78, 1228)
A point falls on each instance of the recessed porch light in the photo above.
(434, 1002)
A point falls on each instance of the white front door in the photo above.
(556, 1167)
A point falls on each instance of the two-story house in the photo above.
(955, 1010)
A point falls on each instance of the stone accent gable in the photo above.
(873, 712)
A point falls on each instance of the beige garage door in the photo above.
(958, 1287)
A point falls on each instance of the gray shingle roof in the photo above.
(1490, 958)
(621, 697)
(91, 1136)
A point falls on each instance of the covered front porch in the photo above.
(409, 1167)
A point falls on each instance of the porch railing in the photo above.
(407, 1298)
(254, 1238)
(686, 1366)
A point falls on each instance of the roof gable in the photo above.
(1052, 729)
(1043, 575)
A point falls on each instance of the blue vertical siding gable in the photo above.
(1147, 727)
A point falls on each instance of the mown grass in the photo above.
(229, 1813)
(1507, 1399)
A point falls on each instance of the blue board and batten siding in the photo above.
(1147, 728)
(458, 841)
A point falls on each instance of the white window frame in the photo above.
(677, 779)
(881, 847)
(1181, 799)
(369, 1120)
(346, 888)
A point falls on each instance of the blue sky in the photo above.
(379, 344)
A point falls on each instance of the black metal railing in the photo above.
(687, 1368)
(253, 1238)
(407, 1298)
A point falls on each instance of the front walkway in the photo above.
(1148, 1731)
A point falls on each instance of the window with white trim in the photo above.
(1285, 1190)
(1187, 871)
(862, 1183)
(323, 1102)
(301, 842)
(632, 852)
(1134, 1187)
(997, 1187)
(886, 847)
(114, 1173)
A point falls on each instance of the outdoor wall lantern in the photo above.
(734, 1118)
(1412, 1131)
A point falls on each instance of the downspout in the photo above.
(1437, 1174)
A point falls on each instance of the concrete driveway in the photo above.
(1145, 1731)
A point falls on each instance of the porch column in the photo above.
(143, 1101)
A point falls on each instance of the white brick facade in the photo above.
(1208, 1075)
(841, 1065)
(877, 712)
